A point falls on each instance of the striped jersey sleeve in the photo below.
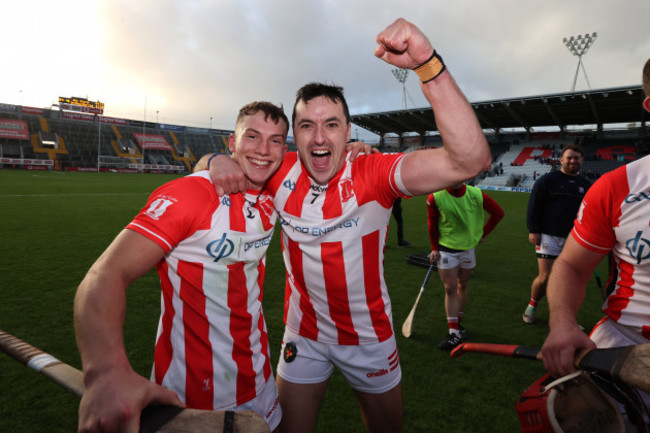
(615, 216)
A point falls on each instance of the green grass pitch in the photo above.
(54, 225)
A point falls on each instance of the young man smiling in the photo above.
(212, 346)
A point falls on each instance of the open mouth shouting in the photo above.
(320, 158)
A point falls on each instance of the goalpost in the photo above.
(113, 161)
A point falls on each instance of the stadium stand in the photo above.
(55, 138)
(519, 159)
(521, 164)
(607, 122)
(36, 138)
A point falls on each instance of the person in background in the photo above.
(397, 214)
(552, 207)
(456, 222)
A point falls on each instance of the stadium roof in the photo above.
(594, 107)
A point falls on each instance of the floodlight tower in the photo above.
(401, 75)
(578, 46)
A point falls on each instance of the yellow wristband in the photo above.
(430, 69)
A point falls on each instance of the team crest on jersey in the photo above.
(158, 207)
(220, 248)
(290, 351)
(265, 204)
(345, 187)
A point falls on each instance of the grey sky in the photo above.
(185, 61)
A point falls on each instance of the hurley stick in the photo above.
(408, 323)
(509, 350)
(163, 419)
(629, 364)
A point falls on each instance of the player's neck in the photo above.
(457, 192)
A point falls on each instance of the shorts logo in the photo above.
(220, 248)
(290, 351)
(275, 406)
(378, 373)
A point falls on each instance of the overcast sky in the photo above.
(187, 61)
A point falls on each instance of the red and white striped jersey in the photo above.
(212, 345)
(333, 239)
(615, 216)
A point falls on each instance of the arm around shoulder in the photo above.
(226, 175)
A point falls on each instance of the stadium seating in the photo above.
(521, 164)
(81, 141)
(76, 143)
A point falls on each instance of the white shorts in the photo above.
(550, 246)
(373, 368)
(461, 259)
(266, 404)
(608, 333)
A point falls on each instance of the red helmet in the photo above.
(571, 403)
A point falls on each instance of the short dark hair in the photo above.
(646, 78)
(313, 90)
(269, 109)
(574, 147)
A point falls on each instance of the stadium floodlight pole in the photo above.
(99, 139)
(578, 46)
(144, 134)
(401, 75)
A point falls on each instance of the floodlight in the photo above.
(401, 75)
(578, 46)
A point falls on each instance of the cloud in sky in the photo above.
(187, 61)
